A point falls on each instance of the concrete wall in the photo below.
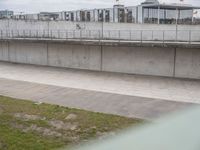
(170, 62)
(74, 56)
(139, 60)
(30, 53)
(64, 25)
(4, 46)
(187, 63)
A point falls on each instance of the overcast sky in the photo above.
(34, 6)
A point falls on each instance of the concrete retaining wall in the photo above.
(170, 62)
(139, 60)
(30, 53)
(187, 63)
(74, 56)
(4, 46)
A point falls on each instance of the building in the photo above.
(46, 16)
(31, 16)
(6, 14)
(19, 17)
(150, 11)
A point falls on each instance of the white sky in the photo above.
(34, 6)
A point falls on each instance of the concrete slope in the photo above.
(129, 106)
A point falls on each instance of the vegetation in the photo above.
(26, 125)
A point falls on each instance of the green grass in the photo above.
(17, 133)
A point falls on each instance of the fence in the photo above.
(120, 35)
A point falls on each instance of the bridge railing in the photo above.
(120, 35)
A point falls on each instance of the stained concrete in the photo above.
(187, 63)
(29, 53)
(139, 60)
(4, 53)
(74, 56)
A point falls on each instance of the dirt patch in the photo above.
(71, 117)
(60, 125)
(2, 145)
(27, 117)
(1, 110)
(35, 128)
(44, 131)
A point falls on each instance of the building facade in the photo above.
(6, 14)
(150, 11)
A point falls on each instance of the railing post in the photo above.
(190, 36)
(23, 33)
(9, 34)
(109, 35)
(37, 34)
(99, 35)
(163, 36)
(43, 33)
(51, 35)
(119, 35)
(58, 34)
(47, 34)
(6, 33)
(80, 34)
(90, 34)
(1, 34)
(73, 34)
(66, 34)
(29, 33)
(141, 35)
(18, 33)
(12, 33)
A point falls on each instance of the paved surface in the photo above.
(129, 106)
(127, 95)
(172, 89)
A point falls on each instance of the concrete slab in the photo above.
(129, 106)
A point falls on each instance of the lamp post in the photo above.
(176, 23)
(102, 25)
(158, 14)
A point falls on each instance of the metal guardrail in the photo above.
(120, 35)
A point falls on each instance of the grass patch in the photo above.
(25, 125)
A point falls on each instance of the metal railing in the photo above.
(117, 35)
